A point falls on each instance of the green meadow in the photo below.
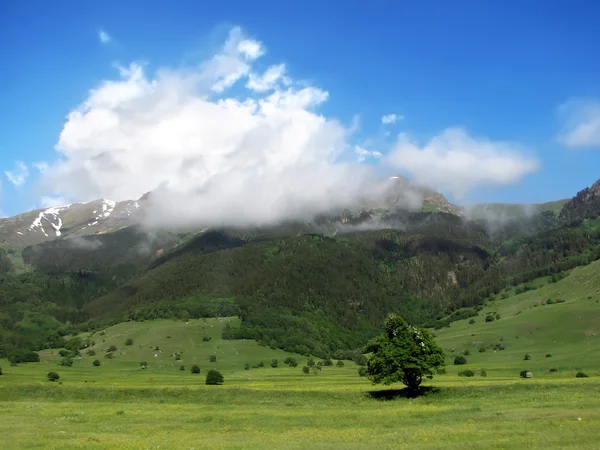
(120, 405)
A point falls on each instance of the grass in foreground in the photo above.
(331, 410)
(120, 405)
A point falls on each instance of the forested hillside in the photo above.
(585, 205)
(309, 288)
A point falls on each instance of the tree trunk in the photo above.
(413, 379)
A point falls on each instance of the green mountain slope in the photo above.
(320, 287)
(560, 319)
(311, 293)
(166, 345)
(508, 211)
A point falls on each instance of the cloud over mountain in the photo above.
(224, 141)
(457, 162)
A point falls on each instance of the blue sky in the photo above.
(519, 72)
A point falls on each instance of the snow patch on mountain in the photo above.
(51, 216)
(108, 206)
(136, 205)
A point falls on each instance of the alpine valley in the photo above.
(317, 287)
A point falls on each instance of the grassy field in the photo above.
(120, 405)
(569, 331)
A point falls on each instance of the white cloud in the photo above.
(364, 154)
(260, 155)
(19, 175)
(389, 119)
(104, 37)
(268, 80)
(249, 48)
(256, 158)
(581, 123)
(456, 162)
(231, 64)
(50, 202)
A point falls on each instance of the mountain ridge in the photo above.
(104, 215)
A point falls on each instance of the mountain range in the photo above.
(317, 287)
(104, 215)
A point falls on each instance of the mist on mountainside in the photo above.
(256, 157)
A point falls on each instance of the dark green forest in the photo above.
(302, 291)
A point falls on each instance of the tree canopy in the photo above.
(403, 353)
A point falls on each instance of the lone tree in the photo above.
(403, 353)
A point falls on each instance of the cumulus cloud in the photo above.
(268, 80)
(19, 175)
(104, 37)
(390, 119)
(456, 162)
(252, 158)
(214, 155)
(581, 123)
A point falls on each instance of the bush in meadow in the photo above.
(52, 376)
(459, 360)
(66, 362)
(214, 377)
(290, 361)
